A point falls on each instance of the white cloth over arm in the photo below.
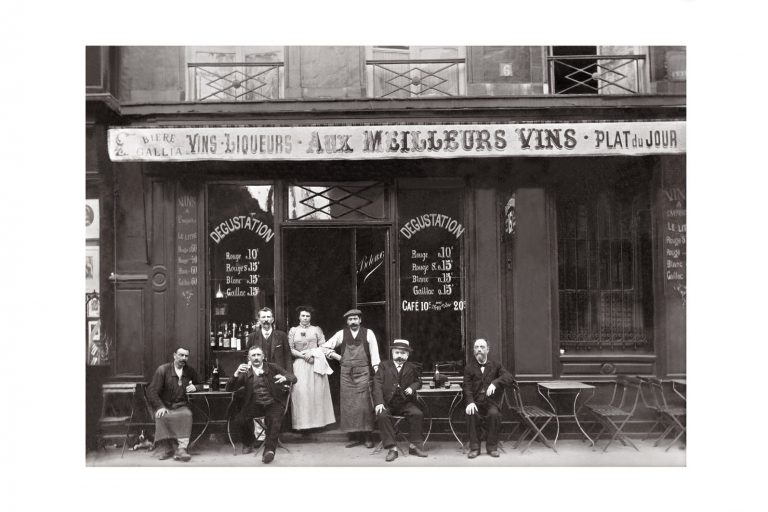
(320, 365)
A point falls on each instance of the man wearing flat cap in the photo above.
(358, 352)
(394, 394)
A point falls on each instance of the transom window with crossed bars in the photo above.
(337, 201)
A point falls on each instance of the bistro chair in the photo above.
(613, 416)
(670, 417)
(534, 418)
(260, 423)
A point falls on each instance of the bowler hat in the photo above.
(351, 312)
(401, 344)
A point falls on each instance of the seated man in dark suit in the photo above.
(394, 393)
(266, 391)
(483, 387)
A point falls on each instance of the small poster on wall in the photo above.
(92, 219)
(91, 268)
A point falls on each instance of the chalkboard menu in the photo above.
(674, 231)
(186, 248)
(432, 303)
(241, 248)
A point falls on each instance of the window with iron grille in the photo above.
(235, 73)
(337, 201)
(416, 71)
(596, 70)
(604, 264)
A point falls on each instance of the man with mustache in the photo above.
(358, 353)
(273, 342)
(266, 391)
(168, 395)
(394, 393)
(483, 388)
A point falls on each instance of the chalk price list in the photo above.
(241, 273)
(433, 284)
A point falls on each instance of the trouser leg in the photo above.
(415, 423)
(474, 438)
(274, 414)
(244, 422)
(387, 431)
(492, 423)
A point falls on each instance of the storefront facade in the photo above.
(551, 225)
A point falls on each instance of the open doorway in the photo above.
(334, 270)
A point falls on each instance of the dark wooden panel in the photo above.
(597, 368)
(532, 285)
(131, 229)
(131, 342)
(486, 276)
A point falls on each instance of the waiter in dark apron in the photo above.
(358, 352)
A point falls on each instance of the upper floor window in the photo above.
(415, 71)
(596, 70)
(235, 73)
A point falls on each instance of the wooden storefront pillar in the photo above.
(532, 304)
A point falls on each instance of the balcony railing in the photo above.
(235, 81)
(416, 77)
(596, 74)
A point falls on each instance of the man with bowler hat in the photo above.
(394, 393)
(358, 352)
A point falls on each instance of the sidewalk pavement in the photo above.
(217, 452)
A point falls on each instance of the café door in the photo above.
(335, 269)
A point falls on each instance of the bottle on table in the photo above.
(437, 376)
(215, 378)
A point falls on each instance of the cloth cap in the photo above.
(351, 312)
(401, 344)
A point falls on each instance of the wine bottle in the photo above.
(215, 377)
(212, 339)
(219, 338)
(235, 342)
(437, 376)
(227, 335)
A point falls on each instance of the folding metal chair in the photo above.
(614, 416)
(260, 421)
(671, 417)
(534, 418)
(397, 421)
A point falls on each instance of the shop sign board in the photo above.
(367, 142)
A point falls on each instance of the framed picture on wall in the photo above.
(92, 219)
(94, 307)
(94, 331)
(91, 268)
